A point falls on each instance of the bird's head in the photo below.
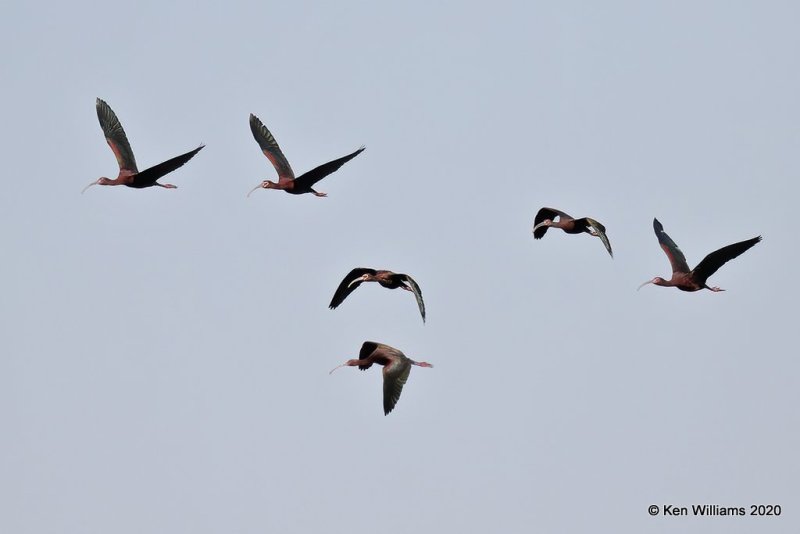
(656, 281)
(362, 278)
(100, 181)
(266, 184)
(546, 223)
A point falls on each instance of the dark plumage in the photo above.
(129, 174)
(286, 179)
(396, 369)
(547, 217)
(385, 278)
(687, 279)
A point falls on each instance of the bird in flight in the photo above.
(385, 278)
(396, 368)
(128, 172)
(286, 180)
(546, 218)
(687, 279)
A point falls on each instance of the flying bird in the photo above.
(547, 218)
(385, 278)
(687, 279)
(128, 172)
(396, 368)
(286, 180)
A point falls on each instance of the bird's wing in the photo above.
(720, 257)
(395, 376)
(313, 176)
(150, 176)
(366, 349)
(417, 293)
(345, 288)
(676, 257)
(601, 231)
(385, 353)
(271, 149)
(116, 138)
(544, 214)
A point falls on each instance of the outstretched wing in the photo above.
(395, 376)
(115, 137)
(676, 257)
(601, 232)
(417, 293)
(345, 287)
(543, 215)
(149, 176)
(271, 149)
(720, 257)
(313, 176)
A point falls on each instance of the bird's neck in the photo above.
(122, 179)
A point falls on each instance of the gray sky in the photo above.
(165, 354)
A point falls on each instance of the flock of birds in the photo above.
(396, 365)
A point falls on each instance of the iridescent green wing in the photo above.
(676, 257)
(395, 377)
(417, 293)
(271, 149)
(116, 138)
(601, 232)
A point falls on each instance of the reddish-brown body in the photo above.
(568, 225)
(687, 279)
(682, 281)
(286, 179)
(129, 174)
(396, 369)
(285, 186)
(387, 279)
(553, 218)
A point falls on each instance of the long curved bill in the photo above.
(88, 186)
(641, 286)
(251, 191)
(537, 226)
(335, 368)
(356, 281)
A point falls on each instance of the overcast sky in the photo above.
(164, 354)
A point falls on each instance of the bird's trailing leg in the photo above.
(167, 186)
(319, 194)
(716, 289)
